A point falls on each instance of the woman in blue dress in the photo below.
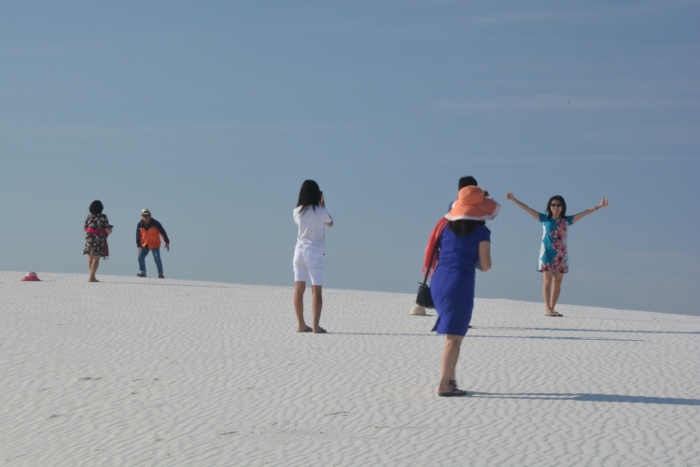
(553, 263)
(464, 244)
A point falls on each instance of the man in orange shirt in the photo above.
(148, 233)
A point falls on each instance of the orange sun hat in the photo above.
(474, 204)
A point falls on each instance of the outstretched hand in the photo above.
(604, 203)
(509, 195)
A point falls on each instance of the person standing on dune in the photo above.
(97, 228)
(554, 263)
(312, 217)
(148, 233)
(459, 244)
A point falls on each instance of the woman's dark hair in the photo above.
(464, 227)
(467, 180)
(96, 207)
(563, 206)
(309, 195)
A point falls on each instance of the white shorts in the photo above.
(309, 262)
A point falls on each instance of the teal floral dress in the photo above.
(553, 252)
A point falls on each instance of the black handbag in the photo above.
(424, 297)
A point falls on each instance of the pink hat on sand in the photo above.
(31, 276)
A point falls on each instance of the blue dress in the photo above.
(452, 284)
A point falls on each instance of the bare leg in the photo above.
(93, 264)
(316, 306)
(556, 289)
(450, 355)
(547, 290)
(299, 289)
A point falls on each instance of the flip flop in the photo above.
(453, 393)
(308, 329)
(320, 331)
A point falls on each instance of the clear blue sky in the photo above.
(211, 114)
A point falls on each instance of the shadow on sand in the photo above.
(607, 339)
(629, 331)
(582, 397)
(472, 336)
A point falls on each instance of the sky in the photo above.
(213, 113)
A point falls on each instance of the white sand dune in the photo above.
(148, 372)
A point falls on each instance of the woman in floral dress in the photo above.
(553, 258)
(96, 230)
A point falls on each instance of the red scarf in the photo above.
(430, 261)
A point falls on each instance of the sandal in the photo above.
(453, 393)
(553, 313)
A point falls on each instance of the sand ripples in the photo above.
(181, 373)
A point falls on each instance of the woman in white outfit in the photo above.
(312, 217)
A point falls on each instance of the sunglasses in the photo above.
(555, 205)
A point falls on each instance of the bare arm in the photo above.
(484, 256)
(524, 206)
(323, 203)
(581, 215)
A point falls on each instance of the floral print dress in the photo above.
(96, 244)
(553, 253)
